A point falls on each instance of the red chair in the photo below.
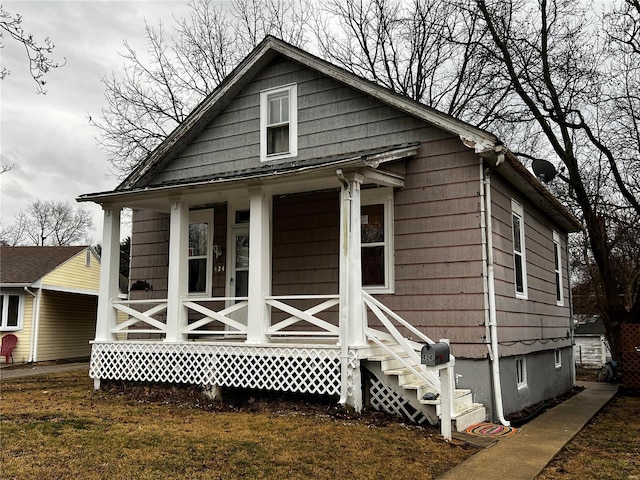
(8, 344)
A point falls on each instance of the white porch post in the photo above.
(352, 320)
(178, 283)
(109, 272)
(351, 305)
(258, 313)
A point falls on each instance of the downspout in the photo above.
(493, 325)
(344, 316)
(571, 321)
(35, 319)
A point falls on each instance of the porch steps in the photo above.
(420, 394)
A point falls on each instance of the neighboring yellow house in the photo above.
(49, 299)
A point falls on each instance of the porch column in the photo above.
(258, 313)
(109, 272)
(178, 283)
(352, 316)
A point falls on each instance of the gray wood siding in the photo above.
(149, 253)
(438, 243)
(536, 323)
(306, 233)
(333, 120)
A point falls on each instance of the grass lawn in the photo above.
(608, 448)
(57, 426)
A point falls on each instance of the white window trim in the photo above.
(517, 210)
(204, 216)
(521, 379)
(293, 122)
(5, 309)
(557, 356)
(557, 281)
(384, 196)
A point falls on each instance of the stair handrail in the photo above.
(379, 310)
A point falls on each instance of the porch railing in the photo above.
(143, 321)
(409, 356)
(303, 322)
(221, 318)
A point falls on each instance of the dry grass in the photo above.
(56, 426)
(608, 448)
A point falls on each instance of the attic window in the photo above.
(278, 123)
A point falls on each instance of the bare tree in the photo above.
(427, 50)
(156, 94)
(48, 223)
(569, 90)
(37, 53)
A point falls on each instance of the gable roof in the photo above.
(481, 141)
(25, 265)
(245, 72)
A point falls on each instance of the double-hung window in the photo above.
(200, 249)
(376, 238)
(519, 252)
(11, 307)
(557, 258)
(279, 123)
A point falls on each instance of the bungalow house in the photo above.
(49, 299)
(307, 230)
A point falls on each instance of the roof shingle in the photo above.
(25, 265)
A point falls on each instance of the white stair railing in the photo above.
(410, 349)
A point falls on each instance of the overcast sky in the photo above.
(47, 138)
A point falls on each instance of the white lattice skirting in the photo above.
(290, 369)
(385, 399)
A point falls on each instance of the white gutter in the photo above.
(493, 325)
(35, 318)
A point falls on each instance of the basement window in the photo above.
(278, 123)
(558, 358)
(521, 372)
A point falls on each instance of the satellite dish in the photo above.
(544, 170)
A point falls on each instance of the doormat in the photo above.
(484, 429)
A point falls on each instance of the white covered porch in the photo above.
(311, 343)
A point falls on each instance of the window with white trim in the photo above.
(279, 123)
(12, 307)
(376, 238)
(519, 252)
(521, 372)
(200, 250)
(557, 258)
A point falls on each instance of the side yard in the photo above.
(607, 448)
(56, 426)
